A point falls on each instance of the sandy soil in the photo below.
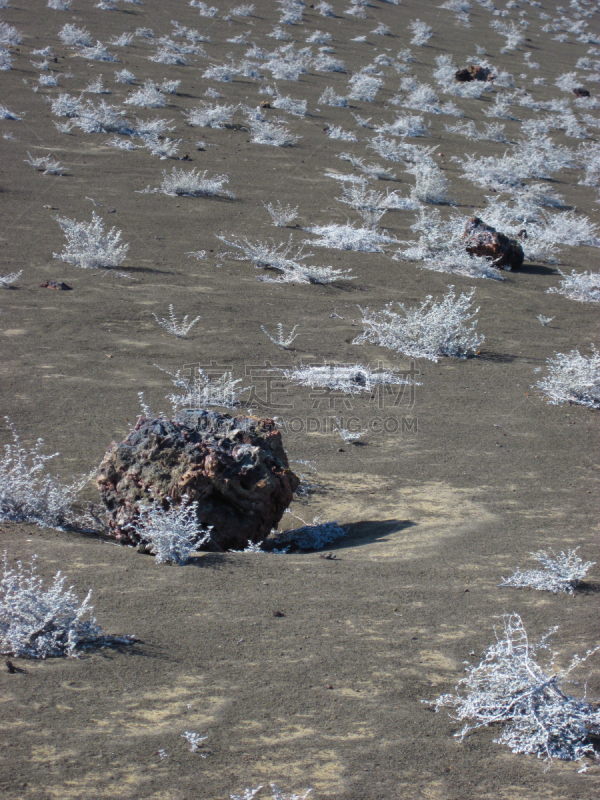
(329, 695)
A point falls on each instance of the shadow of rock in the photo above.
(370, 531)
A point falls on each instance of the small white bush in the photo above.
(172, 535)
(573, 378)
(509, 688)
(297, 107)
(193, 184)
(27, 493)
(6, 114)
(124, 76)
(422, 33)
(281, 215)
(44, 623)
(428, 331)
(431, 184)
(561, 573)
(347, 237)
(210, 116)
(406, 125)
(336, 132)
(272, 133)
(172, 325)
(202, 390)
(581, 286)
(7, 280)
(97, 53)
(73, 36)
(330, 98)
(364, 87)
(281, 340)
(89, 247)
(147, 96)
(347, 378)
(45, 164)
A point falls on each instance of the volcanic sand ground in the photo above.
(330, 695)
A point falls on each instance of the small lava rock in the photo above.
(56, 285)
(483, 240)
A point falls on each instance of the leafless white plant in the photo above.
(581, 286)
(193, 184)
(560, 573)
(430, 330)
(511, 689)
(27, 493)
(573, 378)
(89, 246)
(97, 53)
(336, 132)
(59, 5)
(347, 378)
(281, 215)
(43, 623)
(97, 86)
(7, 280)
(45, 164)
(330, 98)
(147, 96)
(172, 325)
(171, 534)
(6, 114)
(544, 320)
(273, 133)
(124, 76)
(364, 87)
(422, 33)
(194, 739)
(202, 390)
(297, 107)
(210, 116)
(282, 340)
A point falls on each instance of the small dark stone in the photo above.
(483, 240)
(265, 104)
(474, 73)
(278, 614)
(56, 285)
(581, 92)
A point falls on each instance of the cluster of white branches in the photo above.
(279, 257)
(7, 280)
(172, 325)
(273, 133)
(573, 378)
(347, 378)
(330, 98)
(250, 794)
(45, 164)
(210, 116)
(560, 573)
(28, 493)
(509, 688)
(282, 339)
(405, 125)
(348, 237)
(422, 33)
(581, 286)
(202, 390)
(494, 132)
(431, 330)
(89, 246)
(192, 183)
(171, 534)
(441, 248)
(43, 623)
(280, 214)
(364, 87)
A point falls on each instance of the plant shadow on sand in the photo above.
(369, 532)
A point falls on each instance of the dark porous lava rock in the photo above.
(235, 467)
(483, 240)
(474, 73)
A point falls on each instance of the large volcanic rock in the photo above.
(483, 240)
(235, 467)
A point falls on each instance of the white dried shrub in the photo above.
(573, 378)
(581, 286)
(124, 76)
(6, 59)
(431, 330)
(245, 10)
(89, 246)
(73, 36)
(193, 184)
(163, 148)
(510, 690)
(172, 325)
(431, 185)
(336, 132)
(281, 215)
(326, 63)
(494, 132)
(97, 53)
(7, 280)
(45, 623)
(364, 87)
(5, 113)
(405, 125)
(348, 237)
(373, 171)
(48, 80)
(28, 493)
(171, 534)
(568, 81)
(210, 115)
(347, 378)
(101, 118)
(46, 164)
(319, 37)
(203, 9)
(560, 573)
(297, 107)
(330, 98)
(282, 339)
(97, 86)
(203, 390)
(279, 258)
(422, 33)
(59, 5)
(272, 133)
(147, 96)
(124, 40)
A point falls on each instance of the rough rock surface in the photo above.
(474, 73)
(235, 467)
(483, 240)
